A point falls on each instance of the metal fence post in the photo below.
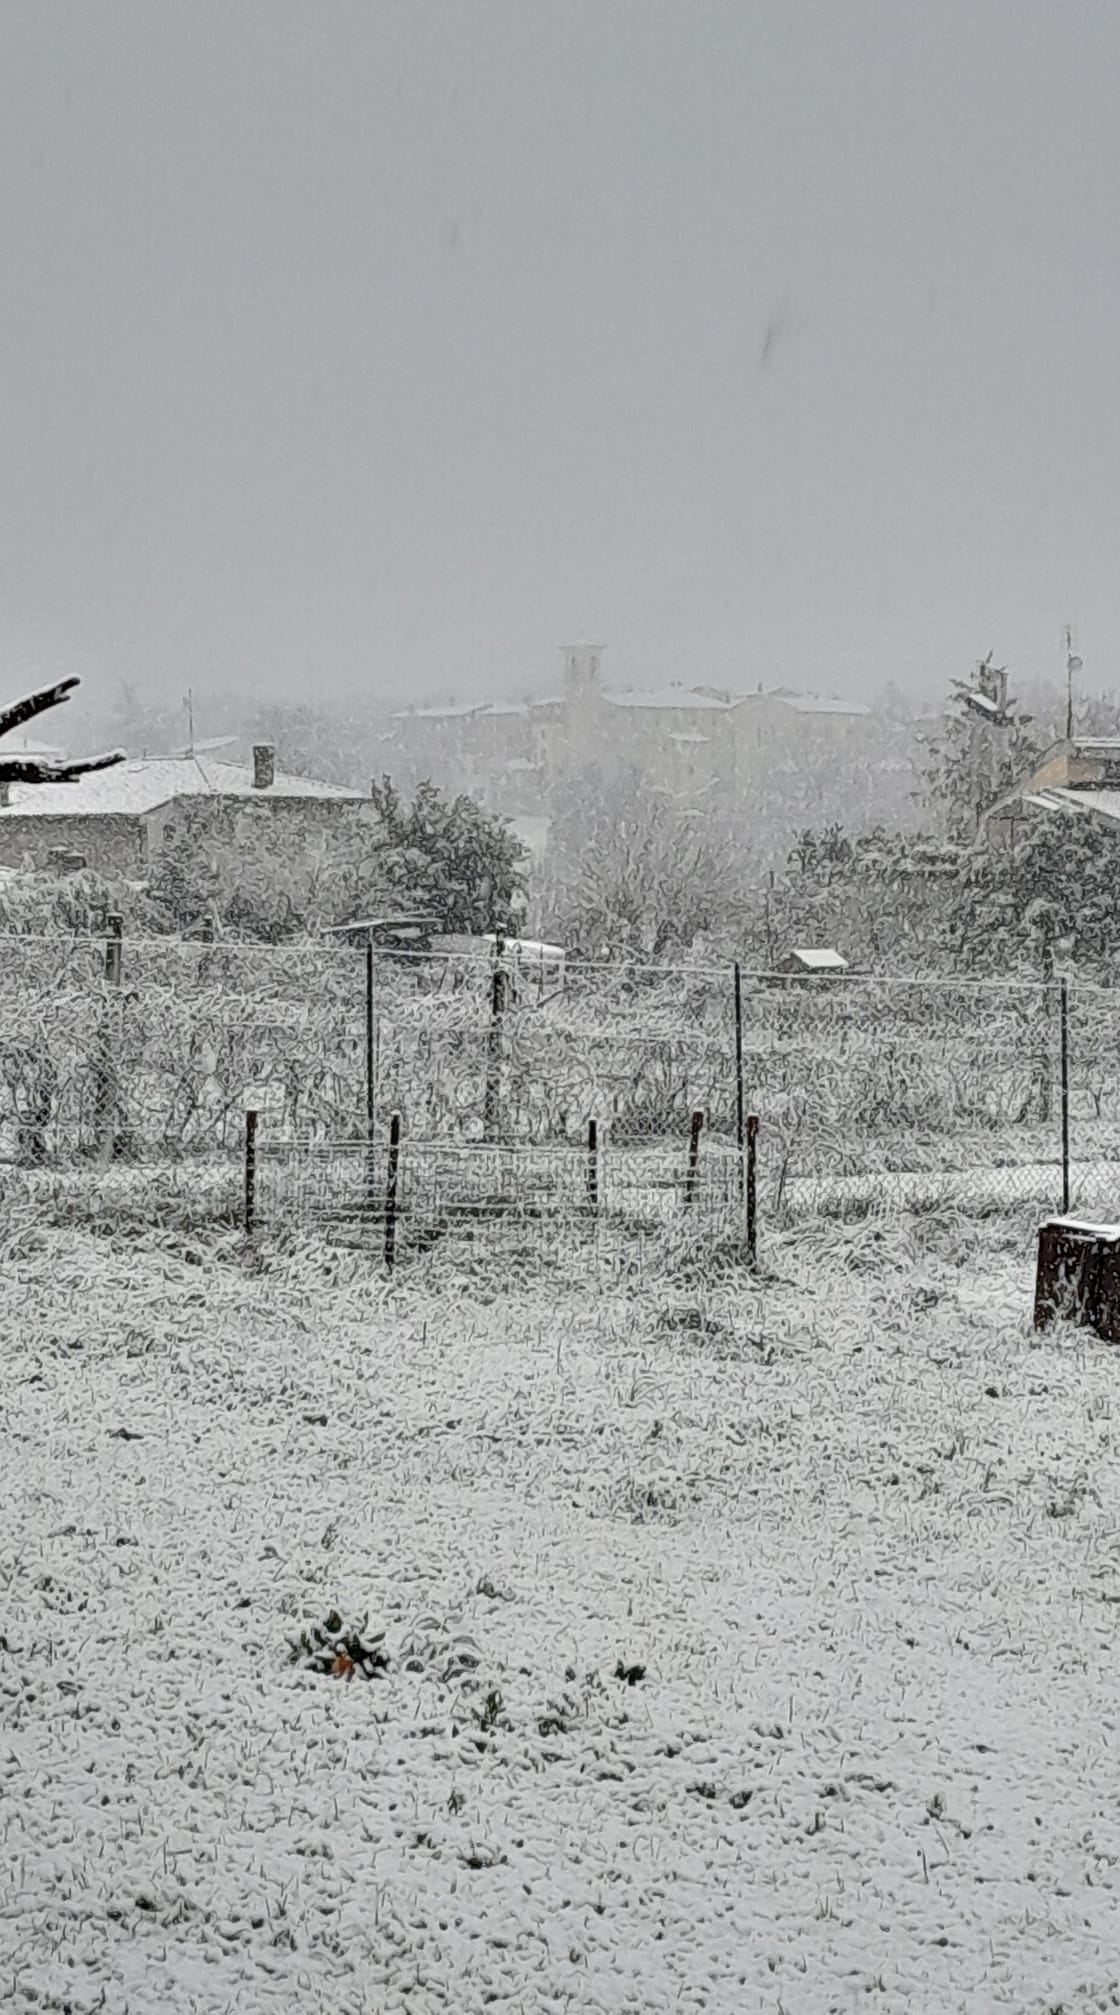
(752, 1189)
(739, 1076)
(1063, 998)
(371, 1174)
(250, 1172)
(114, 948)
(391, 1185)
(693, 1158)
(593, 1166)
(107, 1090)
(492, 1105)
(1045, 1061)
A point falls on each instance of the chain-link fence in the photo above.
(872, 1093)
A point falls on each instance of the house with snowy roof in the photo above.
(115, 820)
(1075, 778)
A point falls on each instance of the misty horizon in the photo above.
(374, 351)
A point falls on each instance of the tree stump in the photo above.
(1078, 1276)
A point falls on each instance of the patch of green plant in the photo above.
(340, 1651)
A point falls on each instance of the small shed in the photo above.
(821, 960)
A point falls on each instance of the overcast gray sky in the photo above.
(398, 341)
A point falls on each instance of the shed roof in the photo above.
(132, 789)
(819, 960)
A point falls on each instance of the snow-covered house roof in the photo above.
(131, 790)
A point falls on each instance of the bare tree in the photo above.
(631, 872)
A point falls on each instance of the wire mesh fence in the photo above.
(872, 1092)
(406, 1197)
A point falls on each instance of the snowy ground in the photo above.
(853, 1540)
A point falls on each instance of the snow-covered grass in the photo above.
(746, 1645)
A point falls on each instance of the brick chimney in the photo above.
(264, 766)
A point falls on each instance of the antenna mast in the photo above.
(1073, 666)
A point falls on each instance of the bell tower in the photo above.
(581, 670)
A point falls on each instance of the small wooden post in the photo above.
(693, 1158)
(593, 1166)
(391, 1183)
(250, 1172)
(752, 1189)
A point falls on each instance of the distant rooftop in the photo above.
(1098, 804)
(686, 697)
(811, 703)
(132, 789)
(25, 745)
(457, 711)
(691, 699)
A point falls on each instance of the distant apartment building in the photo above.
(706, 745)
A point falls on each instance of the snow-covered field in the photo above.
(748, 1648)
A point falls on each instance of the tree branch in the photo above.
(34, 770)
(14, 716)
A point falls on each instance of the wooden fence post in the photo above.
(250, 1173)
(391, 1184)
